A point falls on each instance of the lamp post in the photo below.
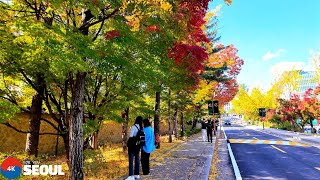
(215, 107)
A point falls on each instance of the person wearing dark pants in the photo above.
(134, 150)
(148, 148)
(134, 157)
(209, 130)
(145, 157)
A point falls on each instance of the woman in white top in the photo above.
(134, 151)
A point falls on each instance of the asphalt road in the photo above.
(278, 160)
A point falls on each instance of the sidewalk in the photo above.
(309, 139)
(190, 160)
(224, 166)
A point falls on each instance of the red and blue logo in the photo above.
(11, 168)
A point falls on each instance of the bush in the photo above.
(190, 132)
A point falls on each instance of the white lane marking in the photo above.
(234, 164)
(233, 160)
(278, 149)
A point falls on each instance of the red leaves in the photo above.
(188, 56)
(226, 91)
(198, 36)
(95, 2)
(153, 28)
(191, 13)
(230, 57)
(112, 34)
(103, 54)
(305, 108)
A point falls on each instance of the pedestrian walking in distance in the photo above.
(203, 130)
(134, 150)
(148, 148)
(209, 130)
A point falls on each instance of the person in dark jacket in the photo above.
(148, 148)
(209, 130)
(203, 130)
(133, 151)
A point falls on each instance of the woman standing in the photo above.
(133, 150)
(148, 148)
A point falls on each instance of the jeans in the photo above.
(145, 157)
(136, 158)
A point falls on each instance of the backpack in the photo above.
(140, 137)
(132, 145)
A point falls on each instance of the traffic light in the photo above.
(210, 107)
(262, 112)
(216, 107)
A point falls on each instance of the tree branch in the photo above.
(29, 81)
(46, 99)
(87, 25)
(9, 99)
(47, 121)
(30, 6)
(26, 132)
(98, 32)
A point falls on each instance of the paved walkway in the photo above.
(190, 160)
(224, 166)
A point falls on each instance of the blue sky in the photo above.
(271, 36)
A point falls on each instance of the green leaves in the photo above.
(89, 127)
(8, 110)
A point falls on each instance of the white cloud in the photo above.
(281, 67)
(270, 55)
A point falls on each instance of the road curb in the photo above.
(233, 160)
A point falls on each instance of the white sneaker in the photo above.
(137, 176)
(130, 178)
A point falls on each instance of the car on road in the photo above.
(227, 122)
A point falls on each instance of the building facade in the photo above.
(308, 80)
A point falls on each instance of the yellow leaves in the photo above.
(165, 6)
(214, 12)
(134, 22)
(204, 92)
(138, 13)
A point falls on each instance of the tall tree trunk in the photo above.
(194, 122)
(169, 117)
(76, 131)
(182, 124)
(310, 119)
(125, 129)
(32, 141)
(66, 145)
(57, 145)
(77, 113)
(157, 114)
(175, 123)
